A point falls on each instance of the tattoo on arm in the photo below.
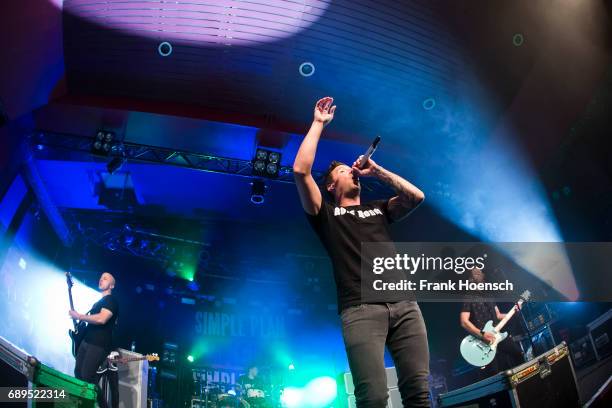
(408, 196)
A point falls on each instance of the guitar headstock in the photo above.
(152, 357)
(525, 295)
(69, 280)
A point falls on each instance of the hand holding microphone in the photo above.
(364, 165)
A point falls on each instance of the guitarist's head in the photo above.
(477, 275)
(106, 283)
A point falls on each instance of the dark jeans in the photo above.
(109, 387)
(88, 359)
(366, 329)
(508, 355)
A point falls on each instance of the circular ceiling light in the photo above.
(164, 49)
(307, 69)
(429, 103)
(518, 40)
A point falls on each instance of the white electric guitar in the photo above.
(479, 352)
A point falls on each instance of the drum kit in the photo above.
(223, 395)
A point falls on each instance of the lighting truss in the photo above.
(62, 146)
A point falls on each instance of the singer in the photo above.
(366, 327)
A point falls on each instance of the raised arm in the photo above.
(408, 195)
(309, 192)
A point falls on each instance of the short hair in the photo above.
(327, 176)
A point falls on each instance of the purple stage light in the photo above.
(210, 23)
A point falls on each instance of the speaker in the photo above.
(600, 332)
(133, 380)
(390, 372)
(348, 389)
(394, 401)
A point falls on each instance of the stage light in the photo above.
(129, 240)
(266, 163)
(291, 367)
(190, 358)
(498, 199)
(103, 143)
(320, 392)
(267, 29)
(272, 168)
(261, 155)
(259, 166)
(292, 397)
(22, 263)
(258, 189)
(47, 314)
(274, 157)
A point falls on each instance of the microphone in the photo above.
(369, 152)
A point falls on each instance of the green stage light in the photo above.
(320, 392)
(291, 366)
(292, 397)
(190, 358)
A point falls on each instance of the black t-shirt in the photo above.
(480, 312)
(342, 230)
(102, 334)
(247, 383)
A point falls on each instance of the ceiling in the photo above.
(434, 79)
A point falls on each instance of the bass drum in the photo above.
(255, 393)
(231, 401)
(256, 402)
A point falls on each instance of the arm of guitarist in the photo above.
(98, 318)
(464, 319)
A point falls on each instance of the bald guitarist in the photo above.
(97, 341)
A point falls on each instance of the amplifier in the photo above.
(546, 381)
(349, 387)
(582, 351)
(600, 332)
(347, 390)
(394, 401)
(133, 380)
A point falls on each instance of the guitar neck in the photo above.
(74, 322)
(508, 316)
(127, 359)
(70, 298)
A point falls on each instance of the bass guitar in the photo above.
(78, 334)
(115, 358)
